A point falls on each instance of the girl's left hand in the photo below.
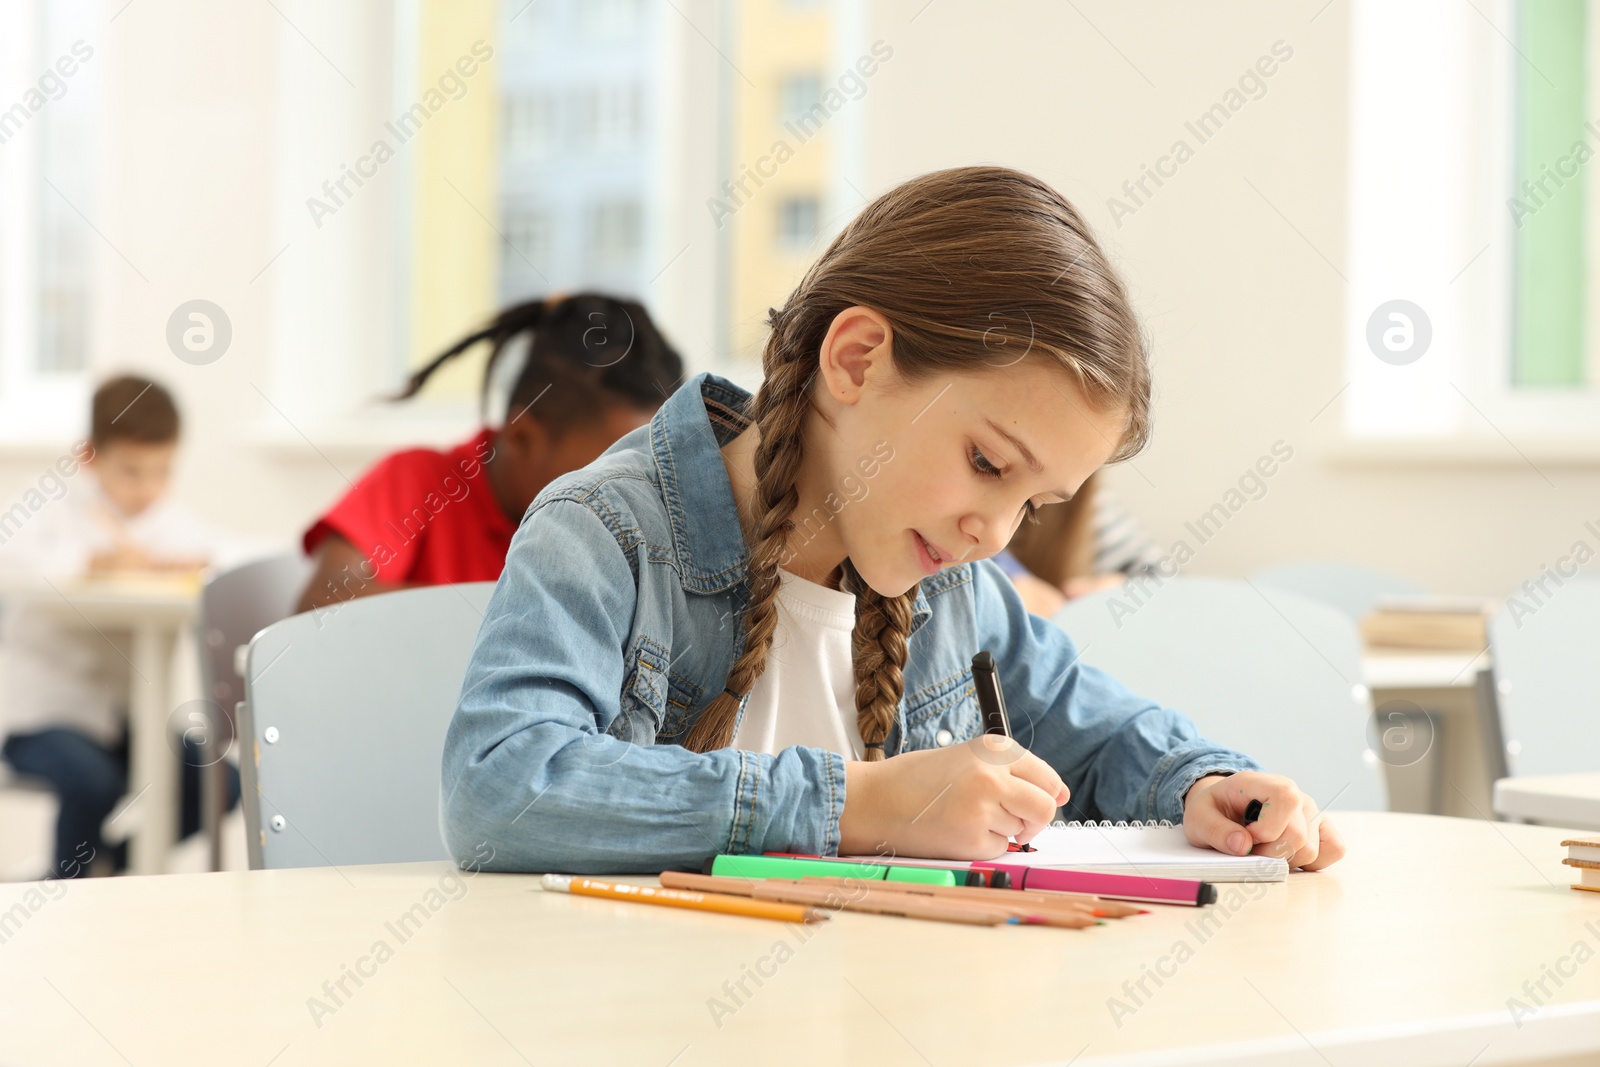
(1213, 817)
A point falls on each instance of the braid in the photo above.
(507, 324)
(882, 623)
(779, 413)
(878, 648)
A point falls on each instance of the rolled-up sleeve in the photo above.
(532, 778)
(1123, 756)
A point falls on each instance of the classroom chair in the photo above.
(1353, 589)
(1547, 679)
(235, 605)
(343, 727)
(1269, 672)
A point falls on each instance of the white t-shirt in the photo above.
(56, 673)
(807, 694)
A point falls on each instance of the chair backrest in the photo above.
(1547, 675)
(343, 726)
(1267, 672)
(1353, 589)
(237, 604)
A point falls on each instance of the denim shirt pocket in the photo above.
(942, 713)
(644, 695)
(683, 696)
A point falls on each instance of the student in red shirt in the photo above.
(592, 368)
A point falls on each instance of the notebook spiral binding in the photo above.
(1062, 824)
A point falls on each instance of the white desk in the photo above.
(153, 612)
(1422, 670)
(1405, 953)
(1553, 799)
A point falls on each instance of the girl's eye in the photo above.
(981, 464)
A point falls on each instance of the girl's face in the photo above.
(934, 473)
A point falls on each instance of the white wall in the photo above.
(1244, 310)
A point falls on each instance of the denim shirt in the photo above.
(617, 620)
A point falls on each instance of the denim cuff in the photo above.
(1185, 766)
(791, 802)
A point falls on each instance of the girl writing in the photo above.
(751, 627)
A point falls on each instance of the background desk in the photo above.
(1553, 799)
(1442, 694)
(153, 612)
(1405, 953)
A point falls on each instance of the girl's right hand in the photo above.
(961, 803)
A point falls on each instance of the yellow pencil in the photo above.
(680, 898)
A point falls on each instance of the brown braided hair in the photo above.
(948, 259)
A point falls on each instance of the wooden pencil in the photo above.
(725, 903)
(864, 896)
(1098, 906)
(832, 899)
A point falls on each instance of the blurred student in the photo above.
(1088, 544)
(64, 688)
(584, 370)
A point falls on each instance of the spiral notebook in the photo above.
(1159, 850)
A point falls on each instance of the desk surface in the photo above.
(120, 599)
(1415, 942)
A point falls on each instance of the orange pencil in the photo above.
(676, 898)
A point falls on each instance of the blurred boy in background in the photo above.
(64, 688)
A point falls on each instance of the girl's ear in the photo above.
(859, 345)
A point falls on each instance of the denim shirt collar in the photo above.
(686, 437)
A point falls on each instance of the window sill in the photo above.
(1466, 451)
(355, 437)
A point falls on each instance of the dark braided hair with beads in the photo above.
(945, 257)
(591, 348)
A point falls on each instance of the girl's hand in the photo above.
(961, 803)
(1213, 817)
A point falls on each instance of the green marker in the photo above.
(753, 866)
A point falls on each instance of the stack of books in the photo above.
(1584, 855)
(1430, 623)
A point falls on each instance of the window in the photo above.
(49, 195)
(1468, 299)
(797, 97)
(597, 68)
(797, 222)
(530, 124)
(614, 234)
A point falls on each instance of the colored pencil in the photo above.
(1037, 899)
(861, 897)
(727, 904)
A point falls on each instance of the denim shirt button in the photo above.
(943, 738)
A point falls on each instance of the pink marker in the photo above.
(1115, 886)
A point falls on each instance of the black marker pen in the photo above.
(990, 699)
